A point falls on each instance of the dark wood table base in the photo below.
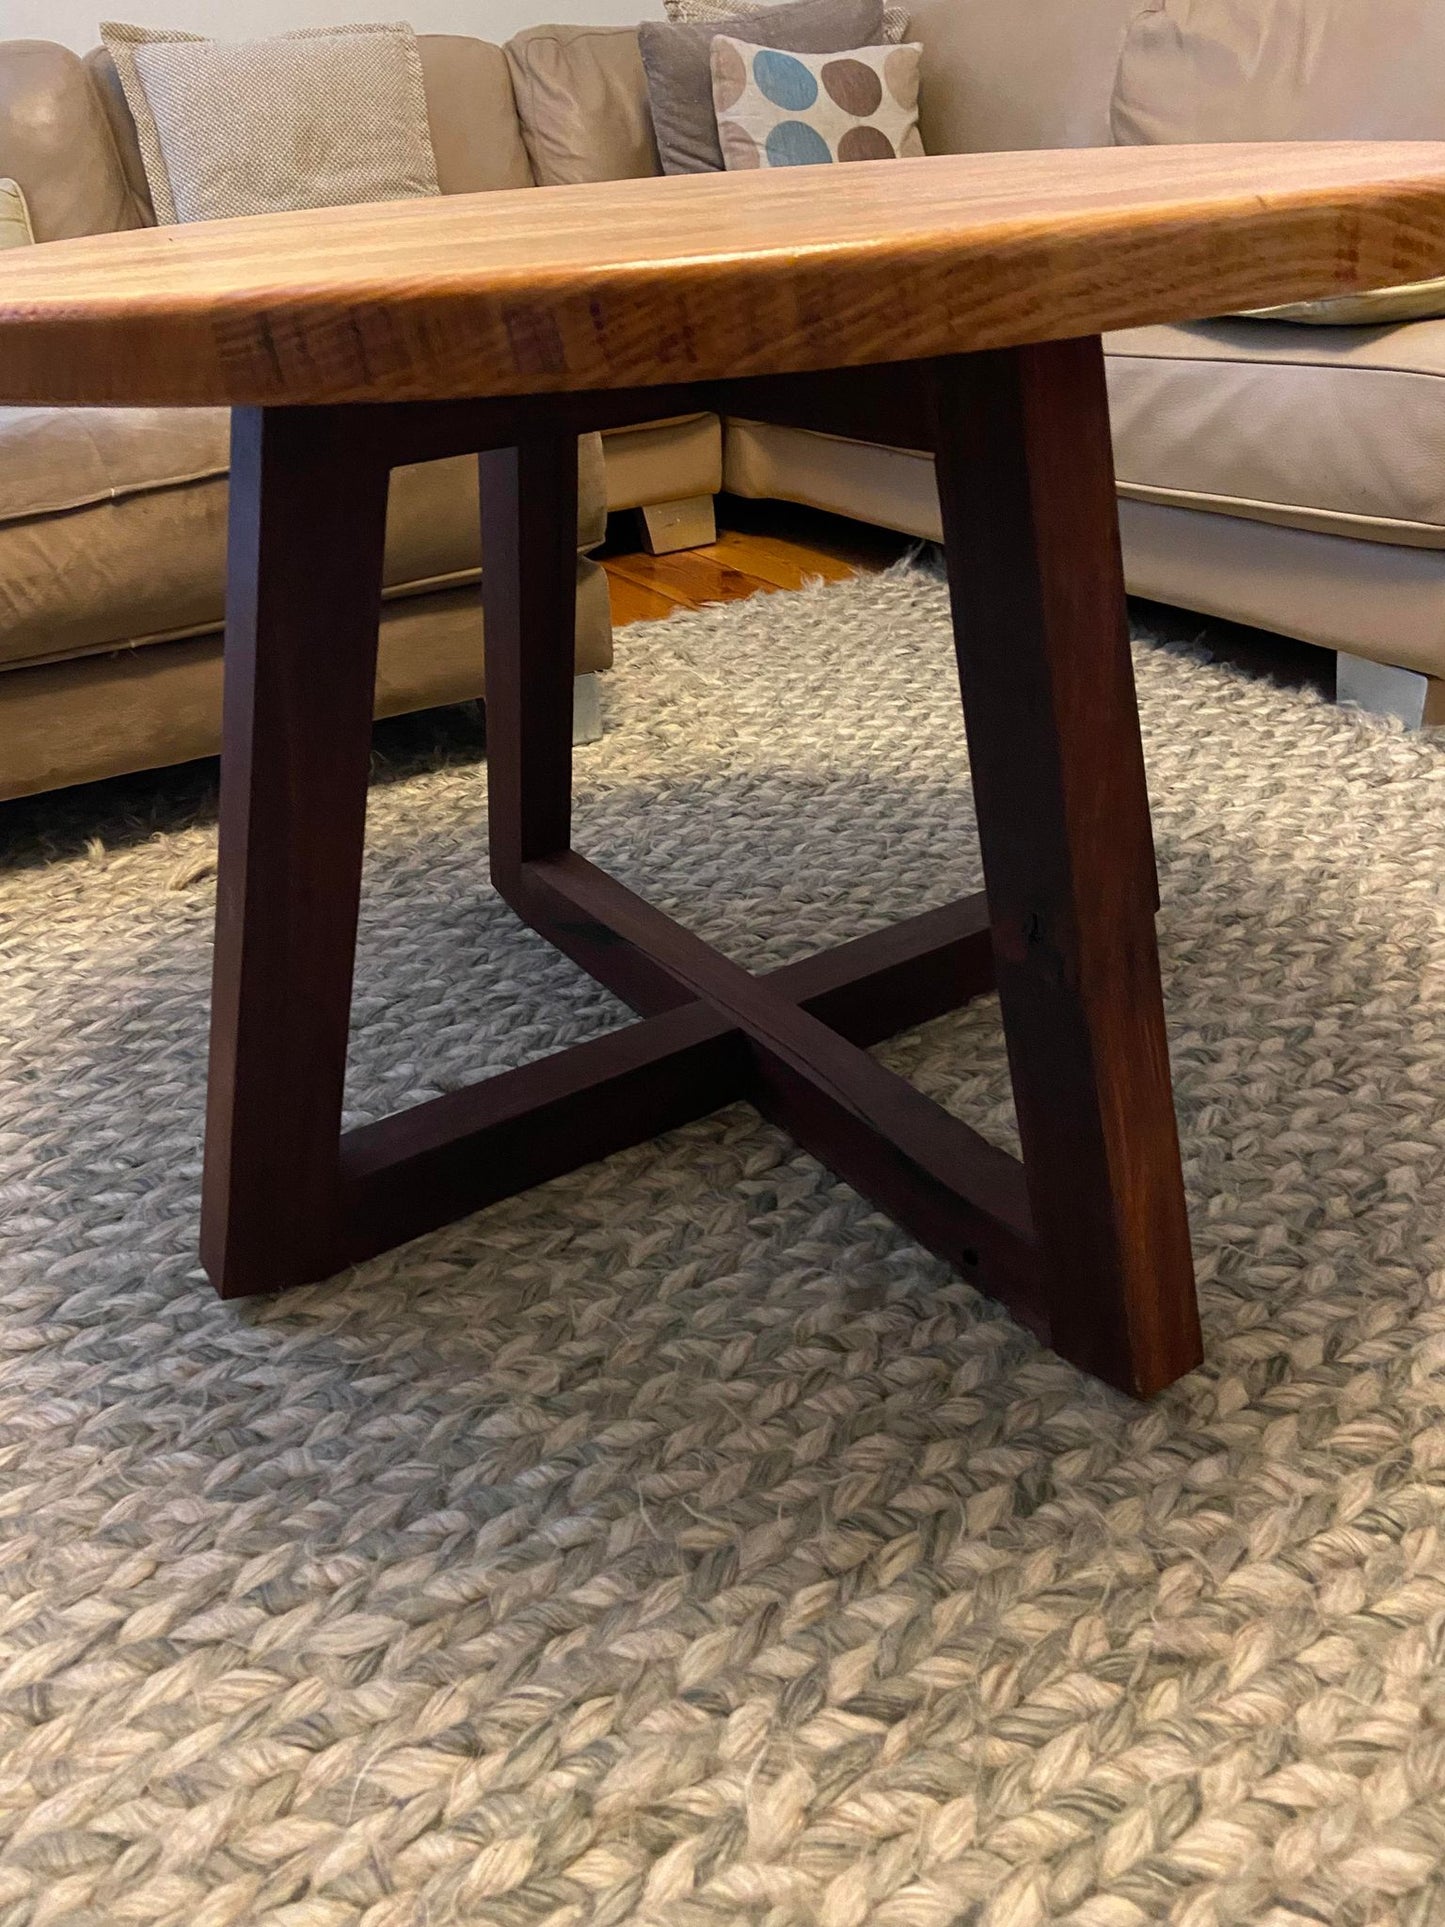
(1086, 1238)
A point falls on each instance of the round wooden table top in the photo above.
(706, 276)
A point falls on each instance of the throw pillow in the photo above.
(794, 110)
(719, 13)
(15, 228)
(679, 80)
(1413, 301)
(326, 117)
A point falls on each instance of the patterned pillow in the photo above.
(792, 110)
(679, 77)
(712, 13)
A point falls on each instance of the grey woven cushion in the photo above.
(716, 12)
(326, 117)
(679, 78)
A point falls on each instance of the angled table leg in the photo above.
(1026, 483)
(307, 524)
(529, 546)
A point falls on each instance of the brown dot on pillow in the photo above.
(900, 70)
(854, 85)
(738, 146)
(729, 76)
(865, 144)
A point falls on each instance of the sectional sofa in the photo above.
(1281, 475)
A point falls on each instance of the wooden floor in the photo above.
(763, 546)
(759, 548)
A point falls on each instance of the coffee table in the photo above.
(953, 304)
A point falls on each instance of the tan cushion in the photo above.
(1282, 70)
(893, 487)
(1339, 430)
(75, 722)
(15, 228)
(1384, 602)
(315, 118)
(56, 142)
(679, 80)
(1006, 74)
(1374, 599)
(582, 101)
(475, 133)
(113, 526)
(666, 461)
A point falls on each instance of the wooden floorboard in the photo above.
(747, 559)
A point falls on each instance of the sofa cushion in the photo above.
(1282, 70)
(475, 133)
(77, 722)
(796, 110)
(664, 461)
(679, 77)
(113, 527)
(56, 142)
(1008, 74)
(314, 118)
(1337, 430)
(582, 101)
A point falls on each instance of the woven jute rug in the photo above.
(678, 1544)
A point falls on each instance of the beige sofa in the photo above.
(1284, 476)
(112, 521)
(1287, 476)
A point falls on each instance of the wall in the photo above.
(75, 21)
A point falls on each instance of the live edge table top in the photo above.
(705, 277)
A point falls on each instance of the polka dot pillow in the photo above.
(790, 110)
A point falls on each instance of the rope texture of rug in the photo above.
(678, 1544)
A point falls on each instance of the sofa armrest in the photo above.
(56, 142)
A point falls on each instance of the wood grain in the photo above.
(1026, 487)
(618, 285)
(423, 1167)
(746, 562)
(303, 599)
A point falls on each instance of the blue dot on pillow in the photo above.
(786, 82)
(793, 143)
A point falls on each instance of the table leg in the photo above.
(529, 595)
(307, 525)
(1026, 482)
(529, 519)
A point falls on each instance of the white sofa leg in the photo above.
(586, 710)
(688, 524)
(1384, 690)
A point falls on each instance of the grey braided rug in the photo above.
(678, 1545)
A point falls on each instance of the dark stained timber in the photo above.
(1085, 1237)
